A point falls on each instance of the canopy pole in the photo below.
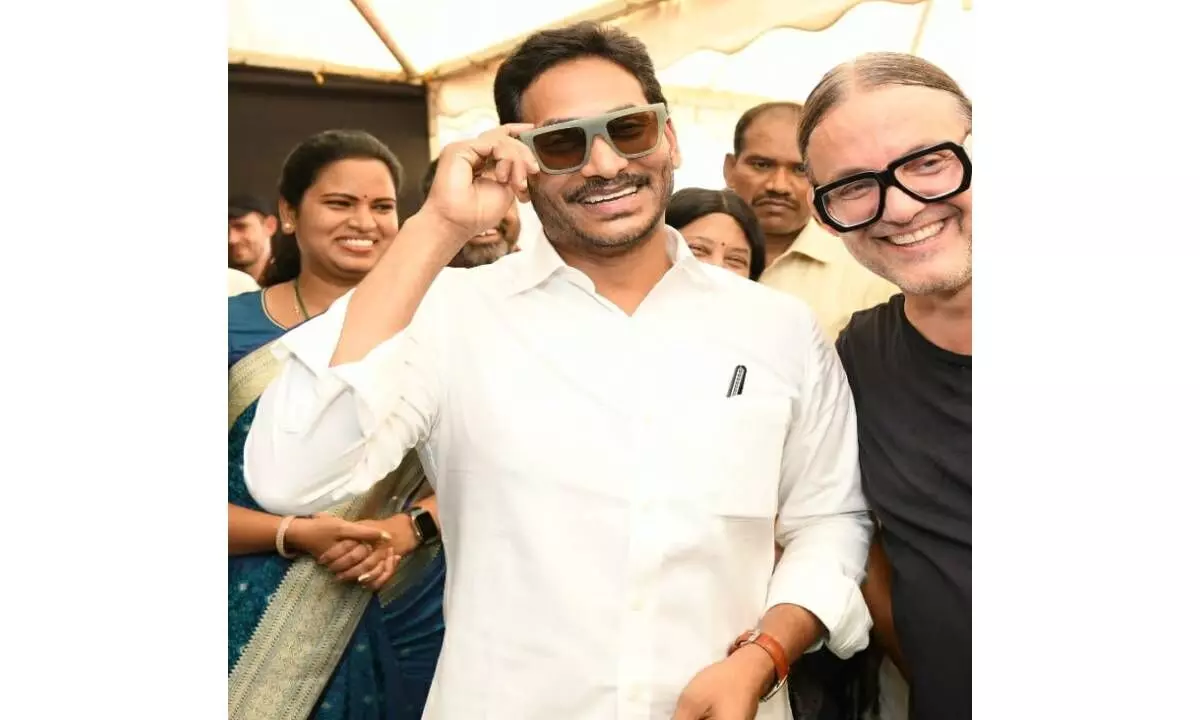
(919, 35)
(364, 8)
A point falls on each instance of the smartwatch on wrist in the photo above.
(424, 526)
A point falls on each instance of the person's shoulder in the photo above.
(460, 283)
(249, 326)
(775, 304)
(240, 282)
(503, 278)
(245, 307)
(869, 329)
(773, 321)
(500, 271)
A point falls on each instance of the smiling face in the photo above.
(611, 205)
(249, 240)
(718, 239)
(346, 219)
(923, 248)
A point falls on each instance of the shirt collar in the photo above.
(814, 242)
(541, 262)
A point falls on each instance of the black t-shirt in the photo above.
(914, 419)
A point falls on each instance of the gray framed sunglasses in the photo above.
(566, 147)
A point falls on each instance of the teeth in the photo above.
(595, 199)
(916, 236)
(357, 242)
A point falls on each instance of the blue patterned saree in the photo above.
(302, 644)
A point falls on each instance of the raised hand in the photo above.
(477, 180)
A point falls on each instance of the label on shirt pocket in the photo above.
(739, 460)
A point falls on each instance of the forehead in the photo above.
(579, 88)
(719, 229)
(774, 135)
(357, 176)
(871, 128)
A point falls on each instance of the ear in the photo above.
(730, 162)
(673, 141)
(286, 215)
(271, 223)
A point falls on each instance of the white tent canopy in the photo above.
(715, 58)
(392, 39)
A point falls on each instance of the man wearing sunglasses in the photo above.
(886, 141)
(615, 449)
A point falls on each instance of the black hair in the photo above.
(300, 171)
(691, 204)
(748, 117)
(548, 48)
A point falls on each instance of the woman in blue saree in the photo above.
(338, 616)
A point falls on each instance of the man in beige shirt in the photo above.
(804, 260)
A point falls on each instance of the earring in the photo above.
(287, 228)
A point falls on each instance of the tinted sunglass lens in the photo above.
(635, 133)
(561, 149)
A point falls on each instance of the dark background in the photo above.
(270, 111)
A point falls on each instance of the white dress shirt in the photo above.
(597, 563)
(240, 282)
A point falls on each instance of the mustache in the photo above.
(594, 186)
(775, 197)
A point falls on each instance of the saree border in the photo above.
(311, 616)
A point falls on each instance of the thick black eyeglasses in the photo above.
(934, 173)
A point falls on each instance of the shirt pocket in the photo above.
(738, 454)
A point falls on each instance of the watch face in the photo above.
(425, 524)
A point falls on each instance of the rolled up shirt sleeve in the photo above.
(823, 524)
(323, 435)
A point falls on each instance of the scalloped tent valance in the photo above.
(715, 57)
(716, 45)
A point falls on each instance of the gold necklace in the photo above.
(299, 301)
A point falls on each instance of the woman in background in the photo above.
(309, 635)
(720, 228)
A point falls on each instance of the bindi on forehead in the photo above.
(347, 195)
